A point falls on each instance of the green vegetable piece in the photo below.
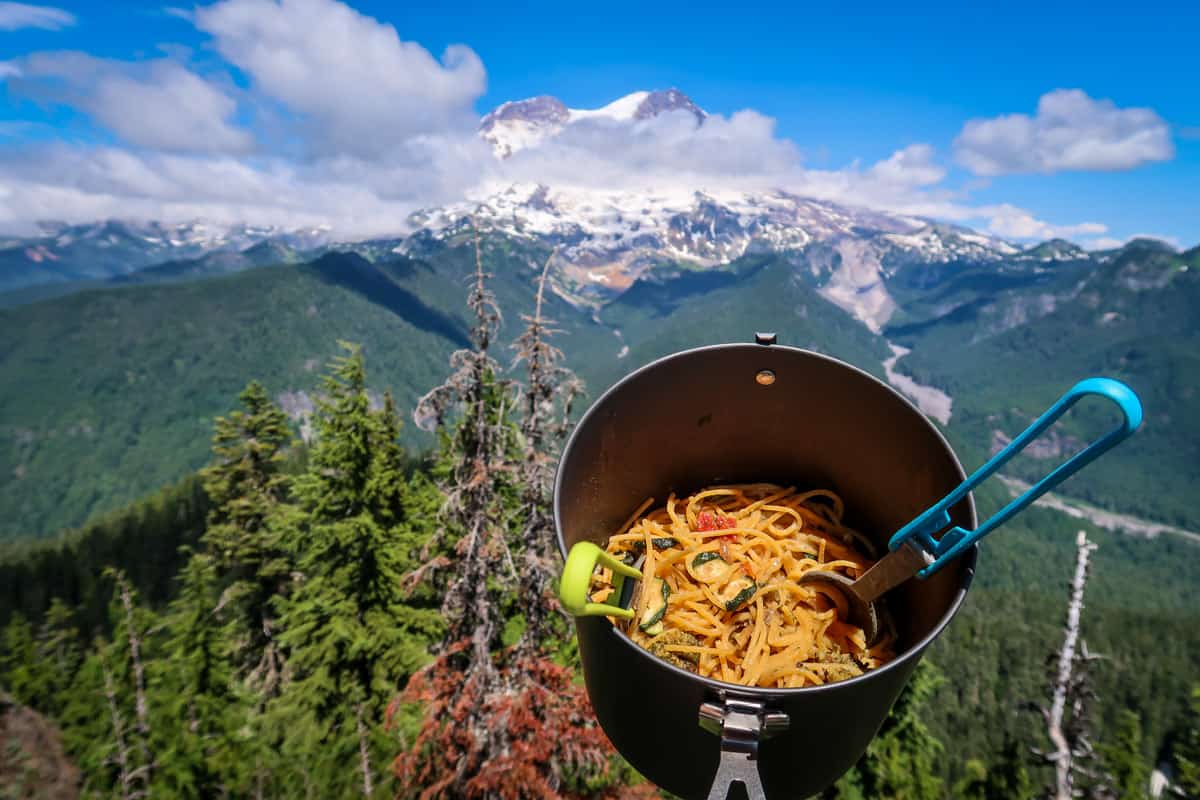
(709, 567)
(741, 597)
(654, 613)
(659, 645)
(653, 630)
(659, 542)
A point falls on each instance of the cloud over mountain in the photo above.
(353, 82)
(1070, 131)
(157, 104)
(315, 113)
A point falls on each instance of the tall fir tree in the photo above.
(245, 537)
(59, 655)
(1187, 750)
(1005, 779)
(204, 706)
(1009, 777)
(974, 783)
(351, 635)
(111, 719)
(1123, 759)
(901, 762)
(19, 671)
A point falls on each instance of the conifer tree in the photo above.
(974, 783)
(1187, 750)
(1006, 779)
(545, 400)
(476, 465)
(131, 632)
(1123, 759)
(245, 535)
(1009, 778)
(20, 672)
(901, 762)
(107, 718)
(58, 655)
(498, 722)
(351, 636)
(200, 700)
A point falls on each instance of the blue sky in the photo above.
(846, 88)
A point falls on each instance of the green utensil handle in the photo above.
(577, 581)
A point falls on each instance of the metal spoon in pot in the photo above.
(914, 550)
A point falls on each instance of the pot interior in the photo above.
(705, 416)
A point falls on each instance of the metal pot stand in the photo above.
(741, 724)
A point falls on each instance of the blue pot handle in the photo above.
(955, 541)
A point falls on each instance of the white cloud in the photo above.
(1071, 131)
(912, 166)
(156, 104)
(14, 16)
(344, 123)
(351, 77)
(1012, 222)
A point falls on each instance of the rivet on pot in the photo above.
(765, 377)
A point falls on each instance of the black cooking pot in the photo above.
(744, 413)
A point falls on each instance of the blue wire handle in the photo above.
(957, 540)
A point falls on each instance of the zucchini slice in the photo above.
(709, 567)
(737, 592)
(659, 543)
(656, 609)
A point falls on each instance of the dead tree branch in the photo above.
(1066, 717)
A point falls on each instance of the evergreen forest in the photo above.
(343, 616)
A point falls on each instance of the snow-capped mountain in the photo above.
(607, 240)
(521, 124)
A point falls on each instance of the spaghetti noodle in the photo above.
(719, 594)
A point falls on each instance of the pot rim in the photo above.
(723, 688)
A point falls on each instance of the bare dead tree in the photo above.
(141, 707)
(482, 441)
(546, 401)
(480, 568)
(1067, 718)
(364, 754)
(121, 749)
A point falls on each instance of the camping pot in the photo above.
(746, 413)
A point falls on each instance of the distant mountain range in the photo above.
(121, 341)
(111, 248)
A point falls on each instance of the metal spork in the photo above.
(915, 550)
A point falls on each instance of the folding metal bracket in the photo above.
(741, 724)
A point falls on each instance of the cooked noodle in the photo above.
(729, 557)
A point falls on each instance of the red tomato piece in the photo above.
(709, 521)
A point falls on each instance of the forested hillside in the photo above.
(335, 619)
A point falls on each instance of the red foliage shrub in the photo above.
(521, 732)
